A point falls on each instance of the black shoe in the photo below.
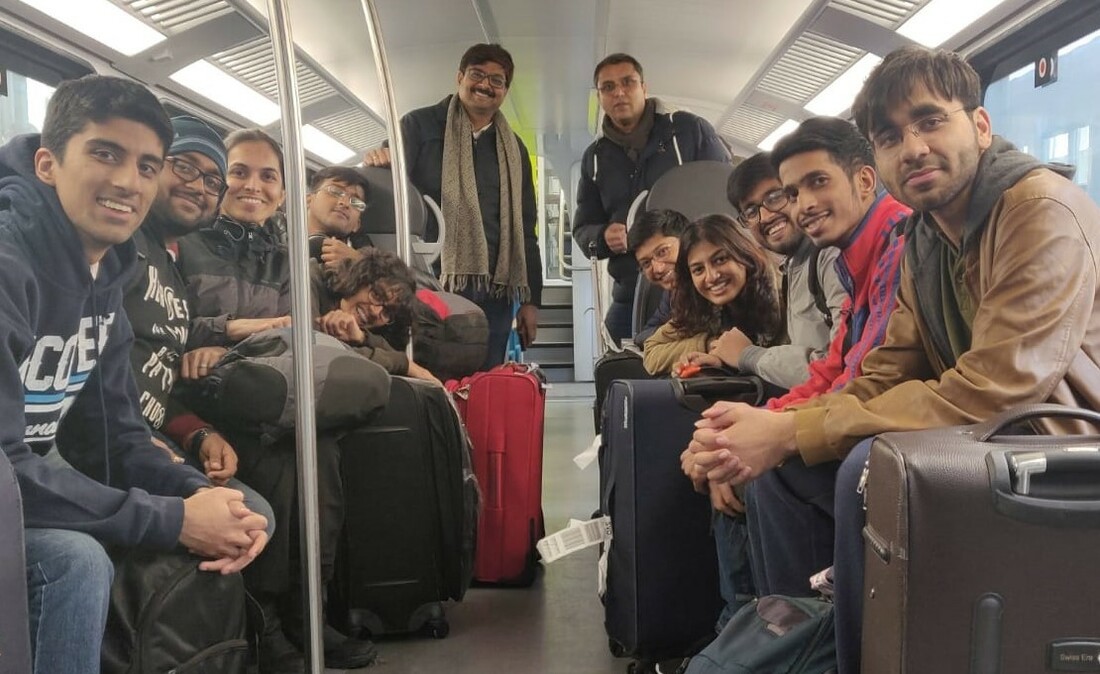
(344, 652)
(276, 654)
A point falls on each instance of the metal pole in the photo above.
(282, 45)
(397, 143)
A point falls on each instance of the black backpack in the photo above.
(817, 291)
(168, 617)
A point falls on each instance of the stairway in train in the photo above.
(553, 349)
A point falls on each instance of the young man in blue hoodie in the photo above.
(88, 472)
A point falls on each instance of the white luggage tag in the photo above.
(577, 536)
(590, 454)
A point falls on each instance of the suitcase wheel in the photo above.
(438, 628)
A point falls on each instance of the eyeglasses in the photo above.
(774, 201)
(386, 311)
(662, 254)
(891, 138)
(212, 184)
(611, 86)
(476, 76)
(339, 194)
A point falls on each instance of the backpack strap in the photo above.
(817, 291)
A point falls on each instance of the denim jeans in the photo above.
(499, 311)
(620, 320)
(848, 569)
(790, 514)
(731, 538)
(68, 585)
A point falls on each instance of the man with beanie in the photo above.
(639, 141)
(89, 473)
(462, 153)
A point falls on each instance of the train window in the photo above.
(1054, 122)
(23, 109)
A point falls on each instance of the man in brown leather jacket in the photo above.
(995, 308)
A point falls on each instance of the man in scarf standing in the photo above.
(462, 153)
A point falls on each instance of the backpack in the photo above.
(450, 334)
(167, 616)
(251, 388)
(773, 635)
(817, 291)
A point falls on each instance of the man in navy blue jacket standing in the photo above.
(88, 471)
(640, 140)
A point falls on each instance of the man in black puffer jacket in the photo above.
(639, 141)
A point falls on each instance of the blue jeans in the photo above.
(790, 515)
(68, 585)
(620, 321)
(499, 312)
(848, 569)
(731, 538)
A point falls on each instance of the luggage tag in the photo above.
(577, 536)
(590, 454)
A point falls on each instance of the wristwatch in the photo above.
(197, 439)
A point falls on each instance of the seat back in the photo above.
(695, 189)
(15, 648)
(379, 222)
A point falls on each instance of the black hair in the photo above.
(255, 136)
(657, 222)
(381, 270)
(482, 53)
(842, 141)
(98, 98)
(755, 310)
(941, 72)
(747, 175)
(341, 174)
(614, 60)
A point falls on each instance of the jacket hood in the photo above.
(31, 212)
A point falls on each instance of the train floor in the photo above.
(553, 627)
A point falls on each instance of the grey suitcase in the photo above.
(982, 549)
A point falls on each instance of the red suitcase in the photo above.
(503, 410)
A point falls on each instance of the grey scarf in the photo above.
(465, 258)
(634, 142)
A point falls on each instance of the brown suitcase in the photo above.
(982, 549)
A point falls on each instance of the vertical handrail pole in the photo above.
(282, 44)
(393, 123)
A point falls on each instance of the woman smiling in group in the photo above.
(723, 281)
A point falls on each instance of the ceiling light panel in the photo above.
(750, 124)
(839, 95)
(175, 16)
(887, 13)
(254, 63)
(772, 138)
(810, 63)
(940, 20)
(102, 21)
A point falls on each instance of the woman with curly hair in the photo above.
(724, 280)
(360, 297)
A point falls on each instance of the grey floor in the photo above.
(554, 627)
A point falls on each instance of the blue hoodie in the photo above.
(65, 377)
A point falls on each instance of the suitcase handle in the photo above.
(699, 393)
(1068, 494)
(1003, 421)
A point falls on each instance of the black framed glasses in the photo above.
(476, 76)
(774, 201)
(212, 184)
(338, 194)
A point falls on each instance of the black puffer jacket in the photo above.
(233, 270)
(610, 182)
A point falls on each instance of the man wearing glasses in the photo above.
(462, 153)
(336, 201)
(639, 141)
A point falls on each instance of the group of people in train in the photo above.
(134, 249)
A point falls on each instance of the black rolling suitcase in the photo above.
(981, 549)
(411, 516)
(615, 365)
(661, 599)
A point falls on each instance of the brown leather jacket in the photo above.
(1035, 335)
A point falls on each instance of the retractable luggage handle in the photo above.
(698, 394)
(1075, 503)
